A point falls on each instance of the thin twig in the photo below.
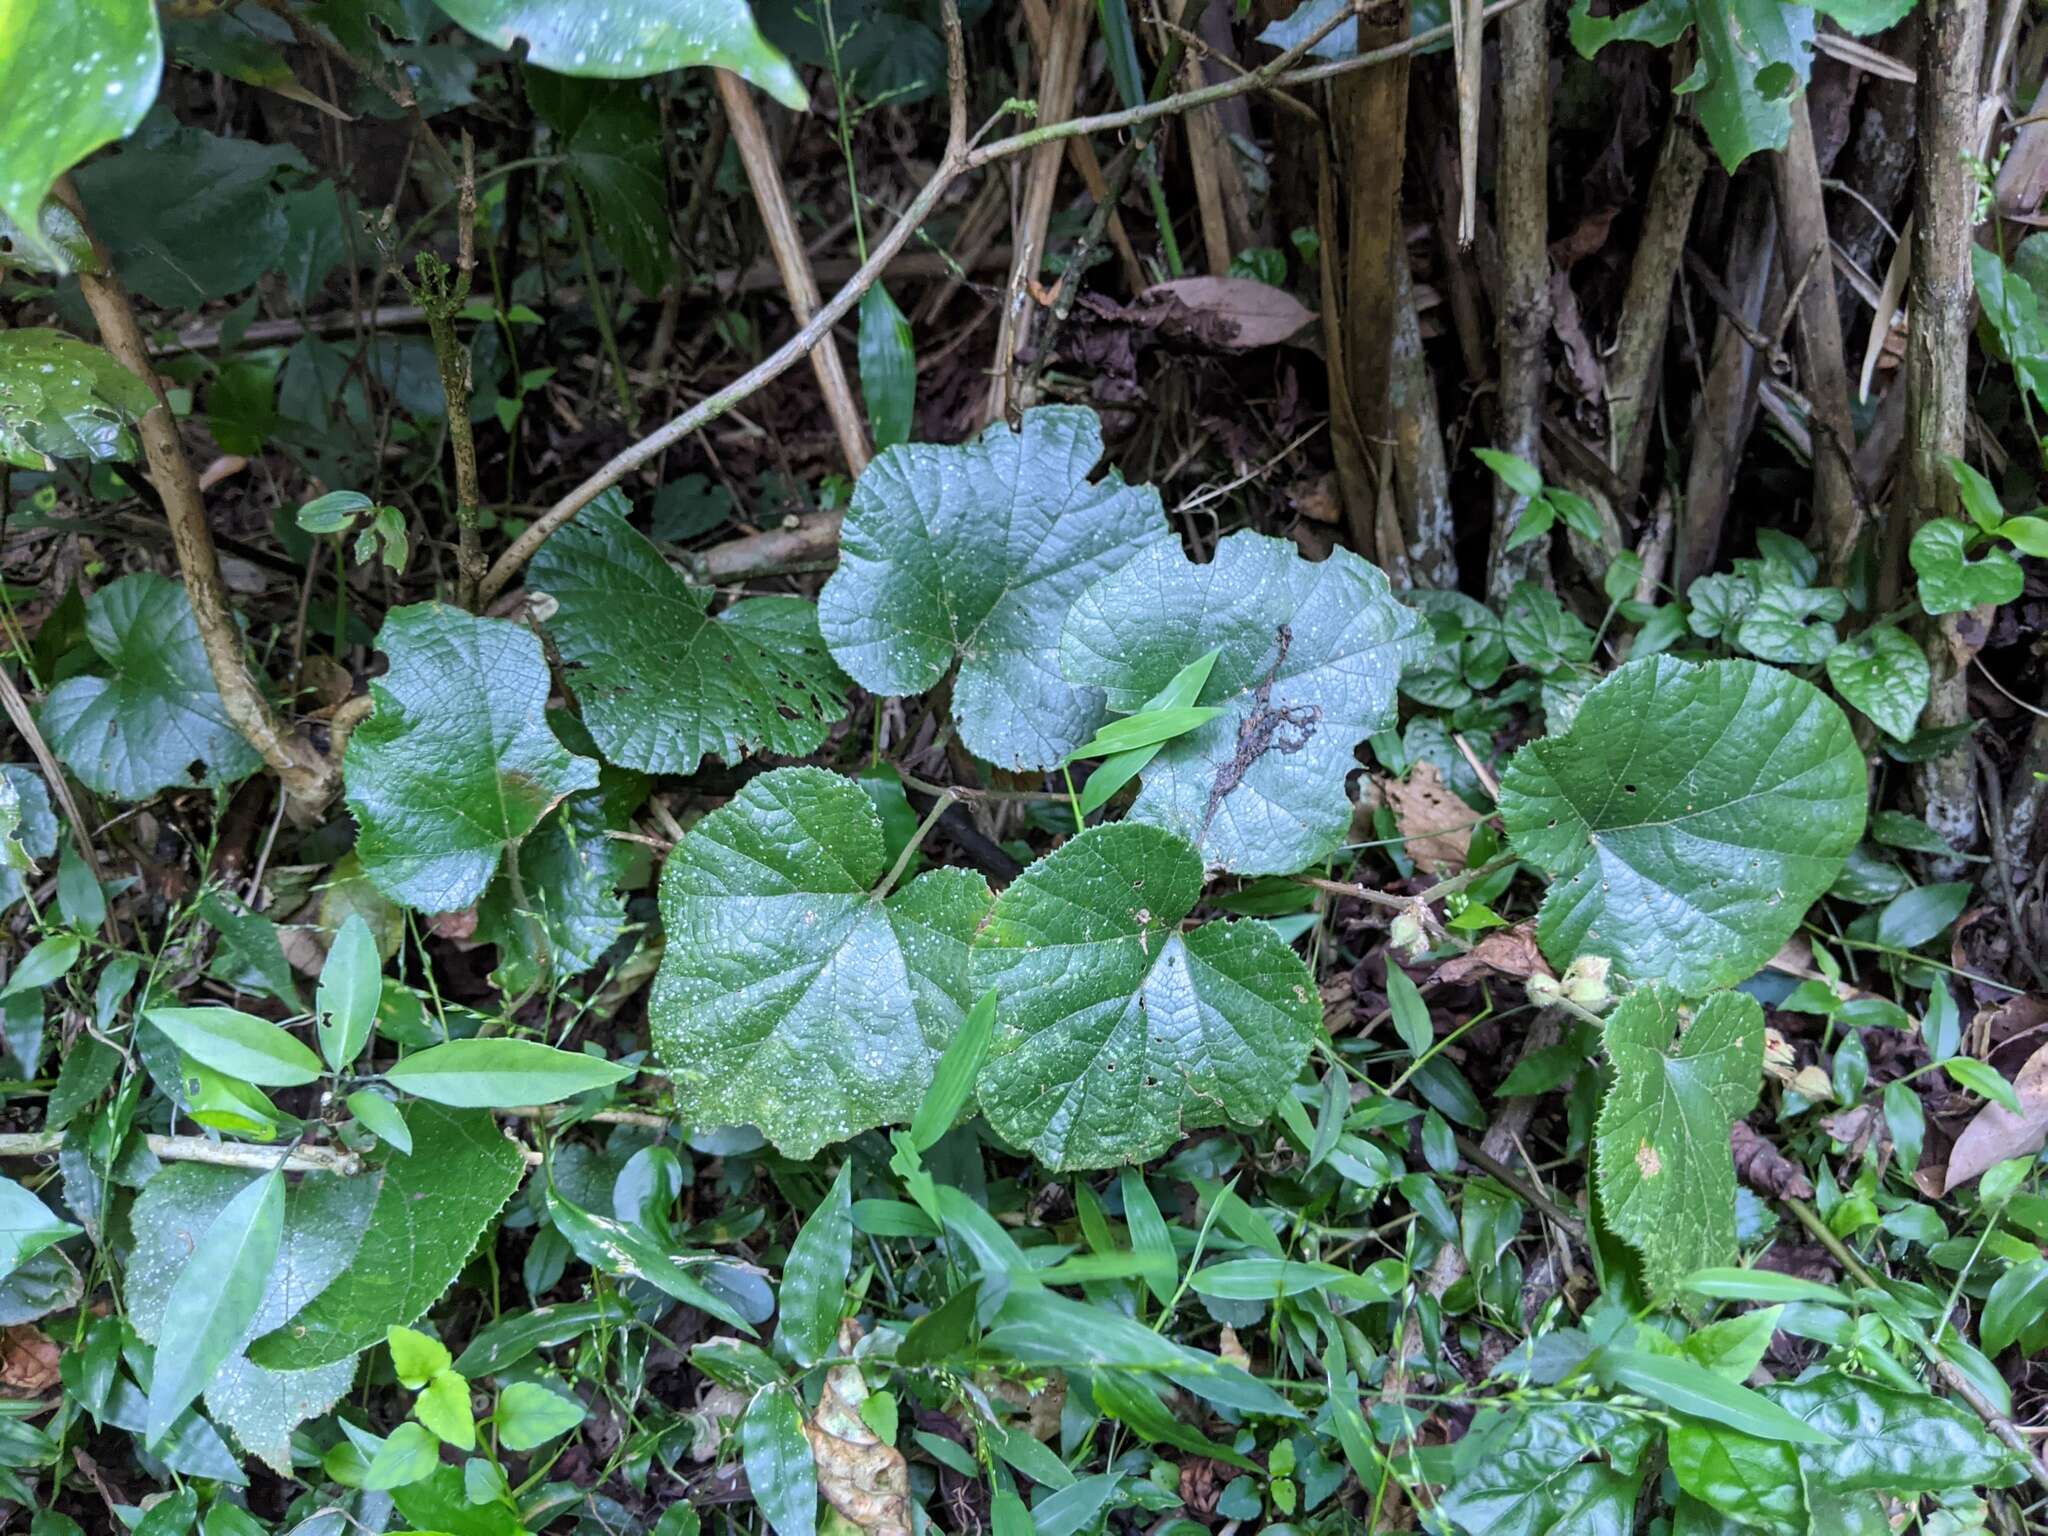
(198, 1149)
(958, 159)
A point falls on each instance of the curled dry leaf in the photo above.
(1429, 814)
(1237, 312)
(1997, 1133)
(1041, 1407)
(28, 1361)
(865, 1480)
(1510, 952)
(1764, 1168)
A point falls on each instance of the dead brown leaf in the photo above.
(1763, 1167)
(1435, 822)
(1997, 1133)
(866, 1481)
(1508, 952)
(28, 1361)
(1250, 313)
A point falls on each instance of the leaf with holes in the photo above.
(790, 998)
(457, 762)
(972, 555)
(74, 77)
(1117, 1032)
(662, 682)
(431, 1209)
(1690, 816)
(1681, 1078)
(1308, 656)
(156, 716)
(632, 39)
(62, 398)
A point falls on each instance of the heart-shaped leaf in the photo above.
(1884, 673)
(1690, 816)
(1116, 1032)
(1308, 657)
(1794, 626)
(457, 761)
(663, 684)
(790, 997)
(973, 554)
(1667, 1179)
(157, 716)
(1950, 581)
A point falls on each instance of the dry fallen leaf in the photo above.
(1252, 313)
(1997, 1133)
(1436, 823)
(1504, 952)
(28, 1361)
(866, 1481)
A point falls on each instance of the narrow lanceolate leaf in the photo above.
(1307, 658)
(1667, 1180)
(382, 1119)
(457, 761)
(156, 714)
(431, 1209)
(238, 1044)
(789, 998)
(814, 1279)
(664, 683)
(212, 1304)
(1690, 816)
(632, 39)
(74, 77)
(501, 1074)
(953, 1083)
(619, 1249)
(972, 555)
(1116, 1032)
(888, 368)
(1695, 1390)
(780, 1468)
(351, 981)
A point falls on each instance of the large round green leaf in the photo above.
(156, 718)
(1690, 816)
(630, 39)
(74, 76)
(1308, 657)
(1116, 1032)
(973, 554)
(790, 998)
(457, 762)
(664, 684)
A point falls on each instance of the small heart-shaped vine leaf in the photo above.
(662, 683)
(457, 762)
(632, 39)
(62, 398)
(1950, 581)
(1309, 654)
(1117, 1032)
(1884, 673)
(1667, 1180)
(156, 717)
(789, 997)
(973, 554)
(1690, 816)
(1794, 626)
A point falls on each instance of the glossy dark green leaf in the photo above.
(972, 555)
(814, 1277)
(609, 138)
(156, 716)
(2018, 1298)
(1884, 673)
(619, 1249)
(888, 368)
(457, 761)
(1697, 1392)
(1922, 914)
(1117, 1032)
(780, 1468)
(1690, 816)
(1755, 1482)
(1951, 581)
(62, 398)
(1544, 1472)
(662, 681)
